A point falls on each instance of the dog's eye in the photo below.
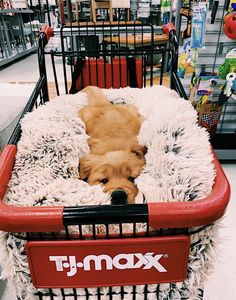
(132, 179)
(85, 179)
(104, 180)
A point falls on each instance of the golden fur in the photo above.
(115, 158)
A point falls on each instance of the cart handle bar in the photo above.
(158, 214)
(167, 28)
(47, 31)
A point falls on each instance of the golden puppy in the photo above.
(115, 158)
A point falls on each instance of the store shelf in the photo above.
(17, 56)
(17, 39)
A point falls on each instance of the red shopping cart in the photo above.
(73, 262)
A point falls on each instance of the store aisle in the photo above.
(25, 70)
(221, 285)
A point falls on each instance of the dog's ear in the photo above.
(138, 150)
(86, 164)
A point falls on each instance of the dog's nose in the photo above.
(118, 196)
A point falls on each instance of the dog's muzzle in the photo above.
(119, 197)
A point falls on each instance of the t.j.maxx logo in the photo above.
(106, 262)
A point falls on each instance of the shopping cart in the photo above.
(101, 55)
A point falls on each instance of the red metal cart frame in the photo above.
(158, 214)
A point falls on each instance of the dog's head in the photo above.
(116, 171)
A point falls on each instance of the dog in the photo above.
(115, 157)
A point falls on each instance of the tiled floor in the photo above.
(221, 285)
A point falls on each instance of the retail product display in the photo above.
(186, 59)
(187, 12)
(227, 71)
(198, 26)
(230, 21)
(209, 110)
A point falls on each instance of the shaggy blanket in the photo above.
(178, 168)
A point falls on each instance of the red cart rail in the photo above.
(158, 214)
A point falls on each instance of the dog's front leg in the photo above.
(96, 96)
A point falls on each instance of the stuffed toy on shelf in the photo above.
(227, 71)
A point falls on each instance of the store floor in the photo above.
(221, 285)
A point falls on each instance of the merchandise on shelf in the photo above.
(227, 71)
(230, 25)
(209, 111)
(185, 63)
(187, 12)
(165, 11)
(204, 89)
(198, 25)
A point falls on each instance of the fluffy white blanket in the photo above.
(178, 168)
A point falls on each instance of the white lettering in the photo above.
(58, 260)
(142, 260)
(129, 261)
(154, 262)
(98, 262)
(120, 261)
(73, 267)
